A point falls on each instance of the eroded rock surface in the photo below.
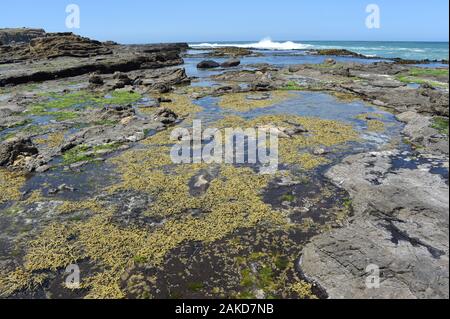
(400, 225)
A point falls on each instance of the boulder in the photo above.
(208, 64)
(230, 63)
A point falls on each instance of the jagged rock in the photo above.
(163, 80)
(96, 79)
(166, 116)
(17, 152)
(54, 45)
(209, 64)
(330, 61)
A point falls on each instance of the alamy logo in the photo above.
(73, 278)
(373, 21)
(73, 17)
(257, 146)
(373, 279)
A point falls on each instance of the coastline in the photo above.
(364, 178)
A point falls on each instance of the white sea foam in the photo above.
(265, 44)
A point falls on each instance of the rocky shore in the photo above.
(86, 176)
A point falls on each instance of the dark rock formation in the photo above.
(337, 52)
(54, 45)
(122, 59)
(16, 151)
(208, 64)
(231, 63)
(20, 35)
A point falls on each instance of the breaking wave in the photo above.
(265, 44)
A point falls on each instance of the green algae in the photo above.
(429, 72)
(69, 106)
(440, 124)
(82, 153)
(292, 86)
(418, 80)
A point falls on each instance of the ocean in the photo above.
(404, 50)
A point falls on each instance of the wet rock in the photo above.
(116, 112)
(151, 103)
(261, 86)
(400, 226)
(337, 52)
(131, 208)
(96, 79)
(208, 64)
(319, 151)
(17, 153)
(231, 63)
(166, 116)
(199, 184)
(163, 80)
(61, 188)
(330, 61)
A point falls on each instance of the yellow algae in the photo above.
(10, 185)
(18, 280)
(294, 149)
(182, 105)
(303, 290)
(232, 201)
(52, 140)
(241, 102)
(345, 97)
(366, 116)
(89, 205)
(375, 126)
(35, 196)
(52, 249)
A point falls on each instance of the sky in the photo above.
(149, 21)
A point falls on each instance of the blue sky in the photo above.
(139, 21)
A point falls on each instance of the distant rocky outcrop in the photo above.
(54, 45)
(73, 55)
(19, 35)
